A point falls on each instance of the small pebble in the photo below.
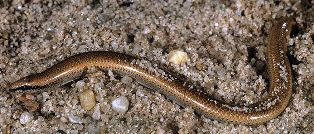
(25, 117)
(74, 119)
(178, 57)
(87, 99)
(120, 104)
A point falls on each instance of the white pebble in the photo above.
(25, 117)
(178, 57)
(87, 99)
(120, 104)
(74, 119)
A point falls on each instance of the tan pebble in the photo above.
(178, 57)
(87, 99)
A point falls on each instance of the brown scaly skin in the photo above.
(278, 68)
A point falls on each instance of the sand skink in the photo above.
(279, 71)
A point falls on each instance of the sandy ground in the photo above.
(225, 42)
